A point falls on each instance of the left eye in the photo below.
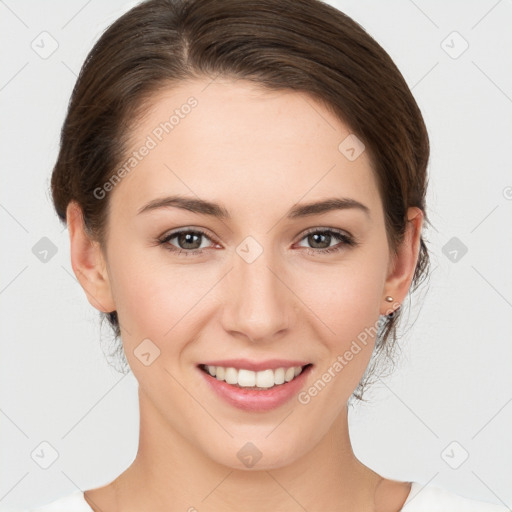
(320, 237)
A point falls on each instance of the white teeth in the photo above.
(246, 378)
(265, 379)
(231, 376)
(279, 376)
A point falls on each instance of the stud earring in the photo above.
(390, 299)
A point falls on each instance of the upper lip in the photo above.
(256, 366)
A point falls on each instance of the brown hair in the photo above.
(301, 45)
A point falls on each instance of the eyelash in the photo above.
(346, 240)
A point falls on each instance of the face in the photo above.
(256, 284)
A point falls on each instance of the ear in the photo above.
(88, 262)
(402, 266)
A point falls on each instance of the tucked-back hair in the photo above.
(299, 45)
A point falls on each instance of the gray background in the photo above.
(450, 398)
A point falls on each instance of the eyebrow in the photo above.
(204, 207)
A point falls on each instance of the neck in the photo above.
(170, 473)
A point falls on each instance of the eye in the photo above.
(188, 241)
(324, 237)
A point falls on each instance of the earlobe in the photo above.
(88, 262)
(403, 265)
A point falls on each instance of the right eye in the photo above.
(184, 237)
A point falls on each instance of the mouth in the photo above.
(254, 380)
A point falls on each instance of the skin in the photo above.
(257, 152)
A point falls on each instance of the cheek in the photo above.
(348, 309)
(154, 300)
(347, 301)
(347, 298)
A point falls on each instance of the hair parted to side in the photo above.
(299, 45)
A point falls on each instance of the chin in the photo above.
(259, 452)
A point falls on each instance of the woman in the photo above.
(244, 185)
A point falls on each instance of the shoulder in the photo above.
(423, 498)
(74, 502)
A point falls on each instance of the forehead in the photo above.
(238, 143)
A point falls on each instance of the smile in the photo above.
(264, 379)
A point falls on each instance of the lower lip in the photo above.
(255, 400)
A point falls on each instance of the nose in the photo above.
(258, 303)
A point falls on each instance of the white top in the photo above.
(422, 498)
